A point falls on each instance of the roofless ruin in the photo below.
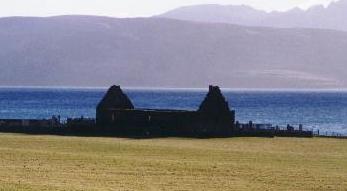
(117, 116)
(116, 113)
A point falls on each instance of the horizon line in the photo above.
(178, 88)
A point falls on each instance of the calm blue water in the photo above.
(326, 111)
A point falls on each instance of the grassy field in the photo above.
(73, 163)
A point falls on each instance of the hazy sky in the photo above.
(131, 8)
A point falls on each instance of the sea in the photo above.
(324, 110)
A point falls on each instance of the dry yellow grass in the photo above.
(75, 163)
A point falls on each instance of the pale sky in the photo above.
(132, 8)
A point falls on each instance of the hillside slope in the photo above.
(99, 51)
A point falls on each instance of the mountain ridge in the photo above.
(331, 17)
(157, 52)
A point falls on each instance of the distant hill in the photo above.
(100, 51)
(332, 17)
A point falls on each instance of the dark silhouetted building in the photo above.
(116, 113)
